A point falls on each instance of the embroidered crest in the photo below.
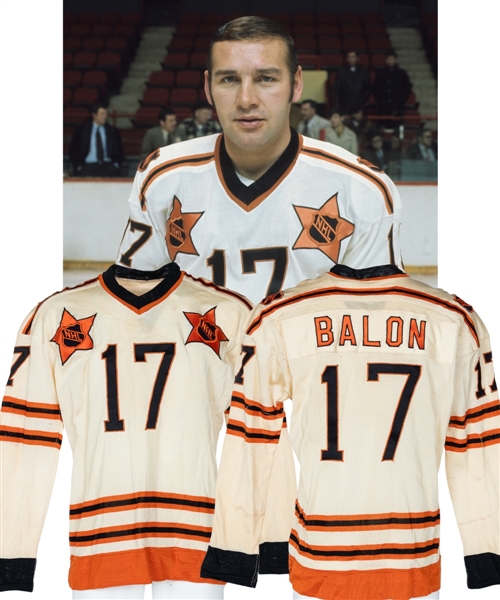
(205, 330)
(179, 226)
(73, 334)
(322, 228)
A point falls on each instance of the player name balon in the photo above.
(397, 332)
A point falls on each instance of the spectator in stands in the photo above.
(425, 148)
(96, 148)
(340, 135)
(391, 87)
(199, 125)
(376, 153)
(162, 134)
(311, 123)
(359, 124)
(352, 86)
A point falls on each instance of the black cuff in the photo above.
(17, 574)
(273, 558)
(483, 570)
(233, 567)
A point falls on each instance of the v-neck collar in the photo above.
(170, 275)
(367, 273)
(249, 197)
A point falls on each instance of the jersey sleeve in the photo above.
(377, 240)
(143, 245)
(244, 480)
(473, 462)
(30, 438)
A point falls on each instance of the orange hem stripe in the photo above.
(376, 584)
(131, 567)
(473, 415)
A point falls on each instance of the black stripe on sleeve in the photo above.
(483, 570)
(233, 567)
(17, 574)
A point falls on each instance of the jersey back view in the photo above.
(383, 372)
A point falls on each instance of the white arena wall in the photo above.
(96, 212)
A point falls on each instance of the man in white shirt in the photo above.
(311, 123)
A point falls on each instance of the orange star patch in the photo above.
(205, 330)
(73, 334)
(179, 226)
(322, 228)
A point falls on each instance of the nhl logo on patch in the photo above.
(323, 228)
(176, 232)
(205, 330)
(73, 334)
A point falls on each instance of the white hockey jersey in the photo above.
(317, 205)
(138, 368)
(383, 372)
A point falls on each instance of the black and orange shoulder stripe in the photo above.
(27, 328)
(341, 162)
(474, 440)
(473, 415)
(255, 409)
(138, 500)
(361, 292)
(31, 409)
(30, 437)
(251, 435)
(209, 284)
(196, 160)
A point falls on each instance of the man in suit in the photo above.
(162, 134)
(425, 147)
(352, 86)
(96, 147)
(311, 123)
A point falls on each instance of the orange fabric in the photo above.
(132, 567)
(378, 584)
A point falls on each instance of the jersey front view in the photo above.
(317, 205)
(138, 369)
(384, 372)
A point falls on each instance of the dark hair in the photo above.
(313, 103)
(352, 50)
(391, 53)
(97, 105)
(164, 112)
(254, 29)
(202, 104)
(336, 111)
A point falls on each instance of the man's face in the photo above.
(335, 120)
(426, 138)
(390, 60)
(169, 124)
(250, 89)
(307, 111)
(377, 142)
(101, 116)
(203, 115)
(352, 59)
(357, 116)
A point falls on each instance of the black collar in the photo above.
(247, 194)
(368, 273)
(169, 275)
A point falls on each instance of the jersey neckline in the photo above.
(170, 276)
(249, 197)
(367, 273)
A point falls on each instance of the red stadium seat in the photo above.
(376, 29)
(75, 115)
(304, 29)
(304, 17)
(349, 18)
(378, 44)
(305, 44)
(111, 18)
(162, 79)
(351, 29)
(111, 62)
(377, 61)
(72, 44)
(357, 43)
(155, 97)
(184, 97)
(93, 44)
(67, 60)
(331, 61)
(133, 18)
(67, 96)
(329, 45)
(97, 80)
(79, 30)
(85, 96)
(72, 79)
(70, 19)
(183, 112)
(202, 43)
(198, 60)
(102, 30)
(89, 18)
(210, 28)
(180, 44)
(146, 116)
(84, 60)
(325, 29)
(187, 29)
(189, 79)
(308, 62)
(118, 44)
(179, 60)
(125, 30)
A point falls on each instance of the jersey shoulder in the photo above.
(208, 288)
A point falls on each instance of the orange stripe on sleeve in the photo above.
(478, 413)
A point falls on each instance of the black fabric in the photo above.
(80, 145)
(273, 558)
(483, 570)
(368, 273)
(233, 567)
(169, 274)
(17, 574)
(99, 146)
(247, 194)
